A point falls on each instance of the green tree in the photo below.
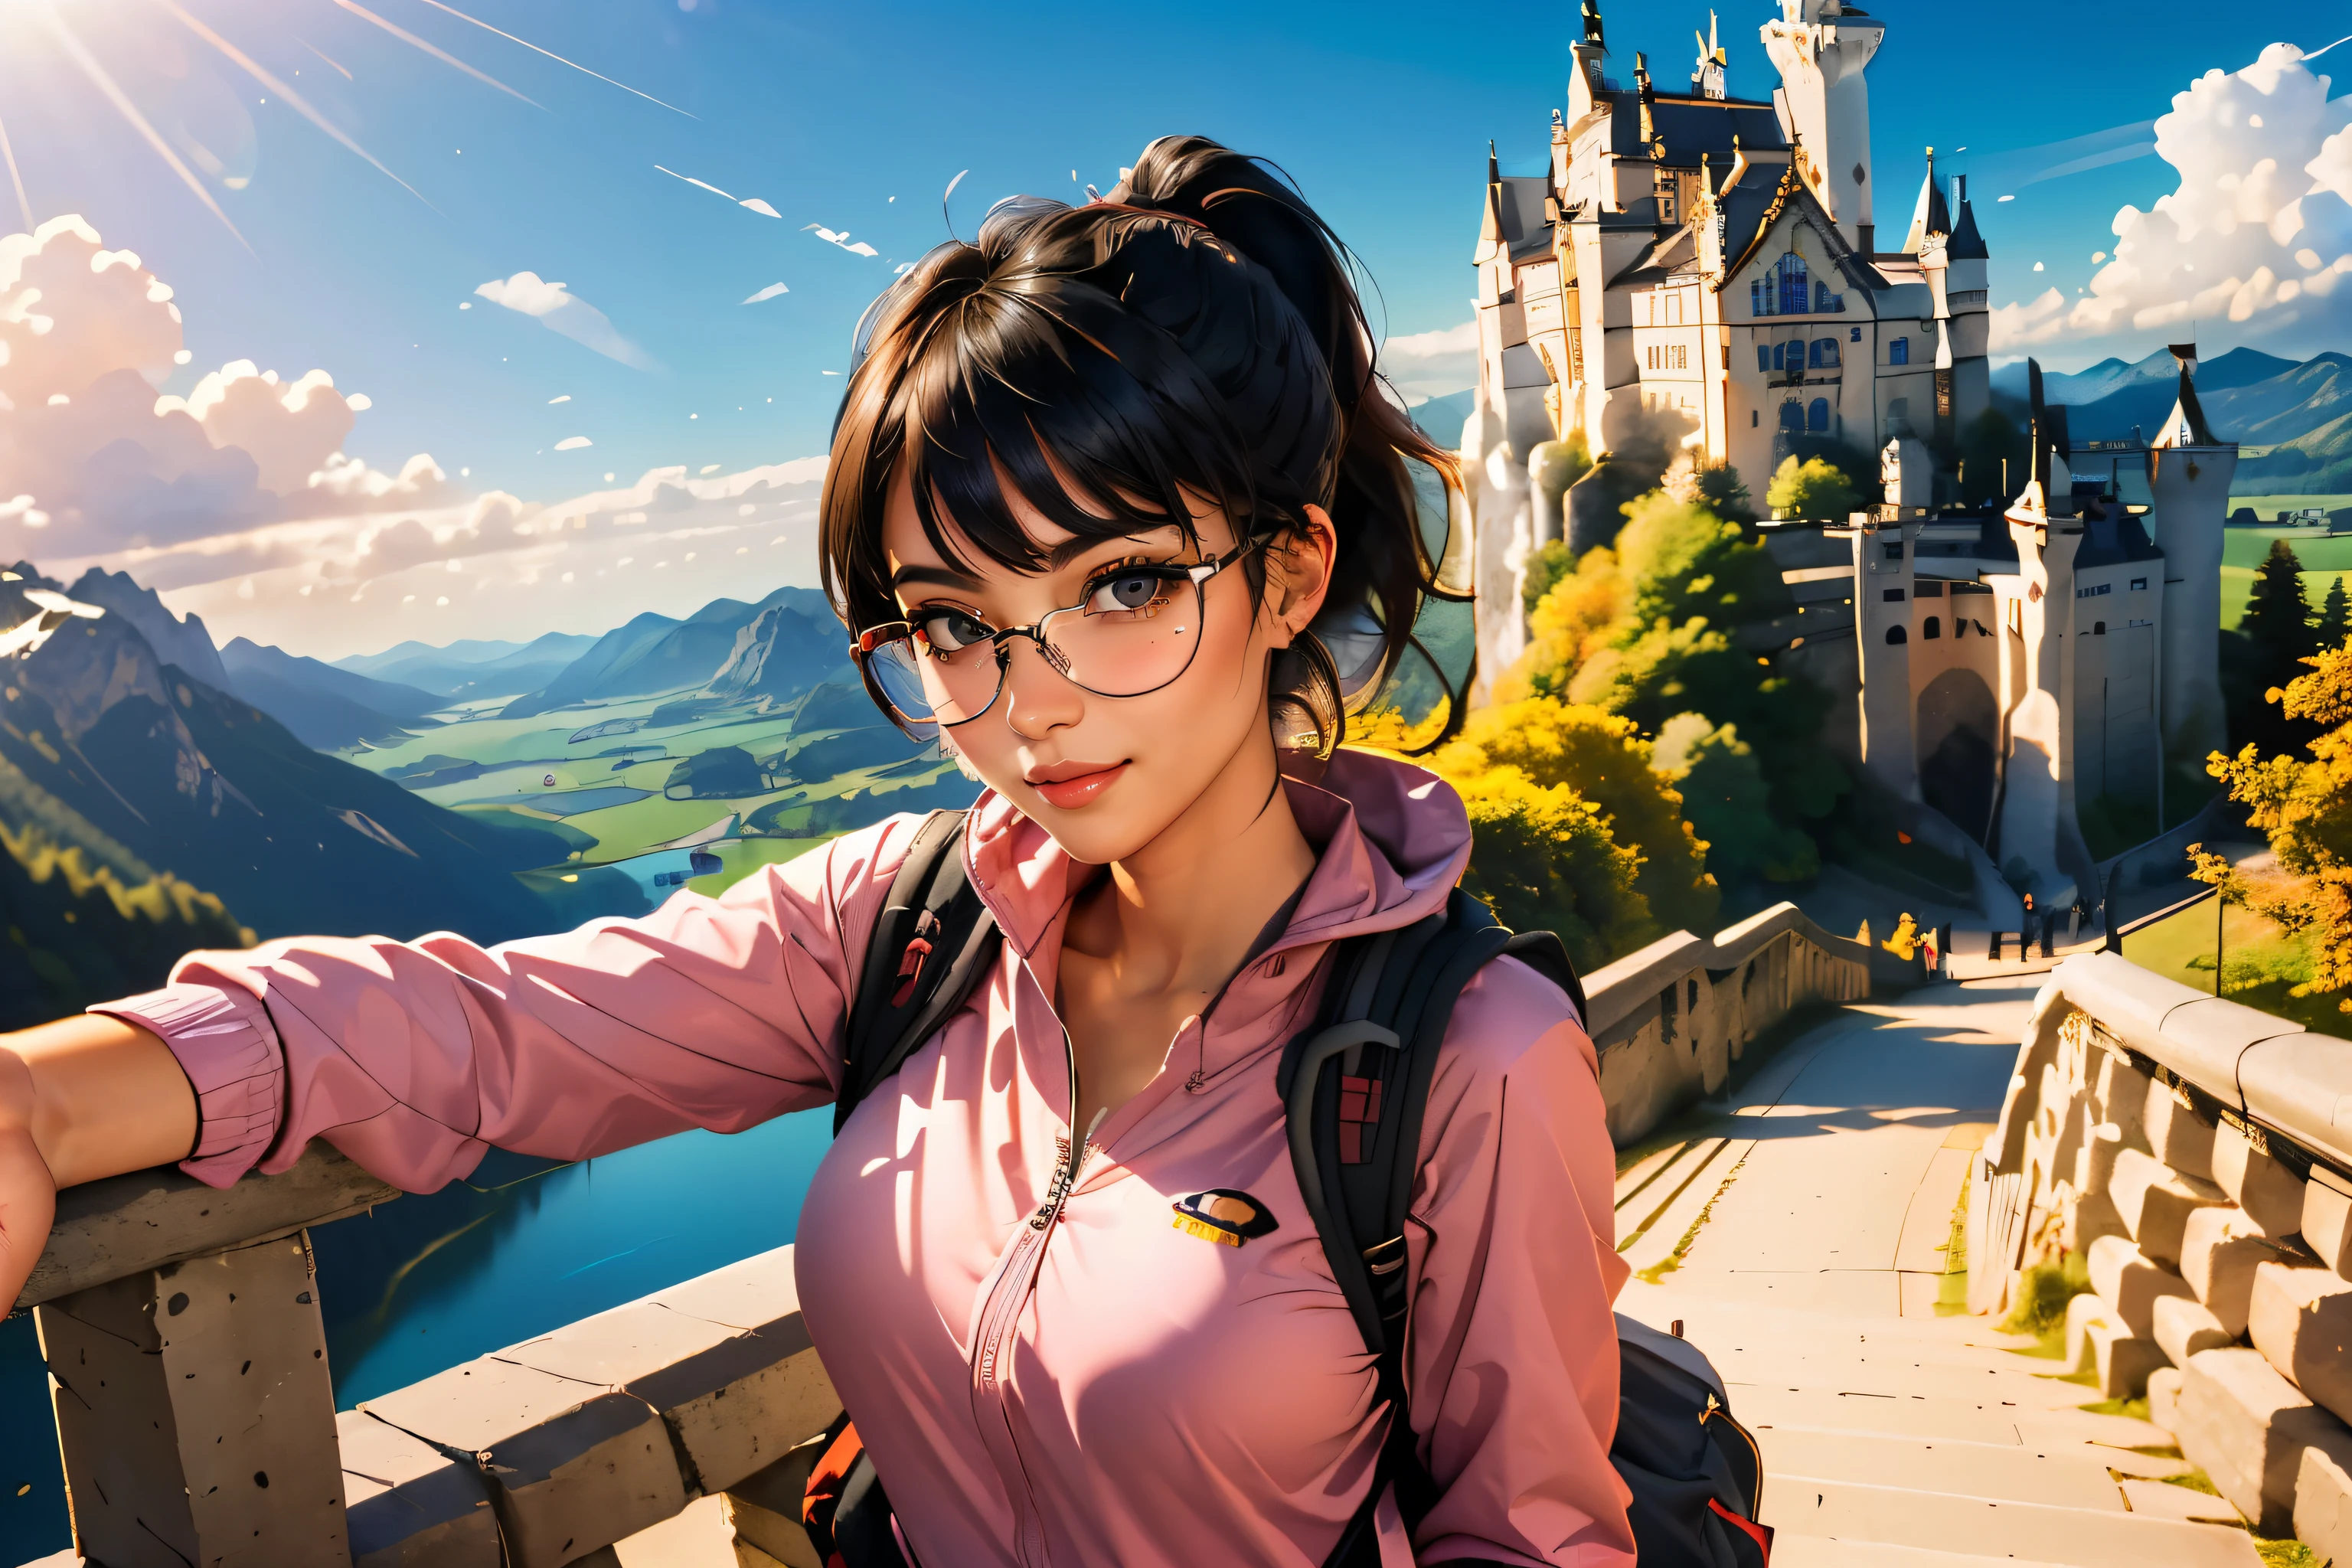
(2335, 617)
(2267, 651)
(1728, 802)
(1810, 488)
(1994, 456)
(1645, 629)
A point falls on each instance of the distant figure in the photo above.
(549, 781)
(1904, 942)
(1931, 950)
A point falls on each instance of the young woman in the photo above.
(1114, 497)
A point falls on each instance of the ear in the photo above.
(1298, 574)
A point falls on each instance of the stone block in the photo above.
(2164, 1398)
(2119, 1099)
(2301, 1319)
(2175, 1133)
(2083, 1313)
(2120, 1363)
(572, 1466)
(2220, 1249)
(2087, 1216)
(2155, 1201)
(2184, 1326)
(2323, 1506)
(411, 1506)
(2258, 1182)
(2095, 1163)
(2327, 1218)
(2248, 1428)
(2130, 1283)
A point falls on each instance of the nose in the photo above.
(1038, 698)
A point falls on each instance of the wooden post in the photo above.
(196, 1415)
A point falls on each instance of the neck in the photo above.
(1182, 911)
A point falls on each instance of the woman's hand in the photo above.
(80, 1099)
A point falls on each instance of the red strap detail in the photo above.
(1360, 1111)
(911, 969)
(1761, 1534)
(821, 1496)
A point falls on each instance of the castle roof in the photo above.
(1966, 244)
(1687, 126)
(1930, 217)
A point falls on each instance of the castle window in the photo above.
(1817, 415)
(1795, 290)
(1823, 300)
(1892, 552)
(1793, 417)
(2139, 585)
(1932, 629)
(1681, 357)
(1854, 334)
(1824, 354)
(1897, 636)
(1759, 298)
(1891, 595)
(1754, 417)
(2098, 628)
(1898, 350)
(1764, 357)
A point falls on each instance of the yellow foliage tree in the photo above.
(1613, 863)
(2304, 804)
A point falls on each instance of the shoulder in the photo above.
(846, 879)
(1515, 1068)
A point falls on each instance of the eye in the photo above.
(1128, 591)
(951, 631)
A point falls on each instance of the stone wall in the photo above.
(2195, 1157)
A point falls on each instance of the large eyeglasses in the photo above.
(1135, 631)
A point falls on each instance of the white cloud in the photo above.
(86, 336)
(1431, 364)
(574, 443)
(770, 292)
(557, 308)
(2258, 233)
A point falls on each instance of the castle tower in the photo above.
(2189, 472)
(1585, 86)
(1820, 49)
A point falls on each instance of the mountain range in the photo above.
(143, 768)
(2292, 419)
(780, 648)
(469, 670)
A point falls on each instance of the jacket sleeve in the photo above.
(1512, 1363)
(416, 1059)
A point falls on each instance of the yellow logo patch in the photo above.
(1223, 1215)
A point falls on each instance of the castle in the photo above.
(1704, 271)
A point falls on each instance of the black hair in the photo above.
(1197, 330)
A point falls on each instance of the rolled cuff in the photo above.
(224, 1043)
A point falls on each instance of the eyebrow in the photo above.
(1061, 555)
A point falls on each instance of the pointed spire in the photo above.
(2188, 414)
(1592, 24)
(1708, 77)
(1966, 244)
(1930, 217)
(1490, 230)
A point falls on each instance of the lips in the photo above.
(1068, 785)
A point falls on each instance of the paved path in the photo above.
(1799, 1235)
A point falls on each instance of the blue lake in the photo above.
(424, 1283)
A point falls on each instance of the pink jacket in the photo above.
(1110, 1385)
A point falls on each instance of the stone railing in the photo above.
(196, 1419)
(2194, 1158)
(1670, 1019)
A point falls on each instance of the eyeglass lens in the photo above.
(1133, 634)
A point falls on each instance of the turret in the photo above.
(1585, 91)
(2188, 474)
(1820, 49)
(1930, 216)
(1707, 79)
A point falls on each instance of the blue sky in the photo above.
(1381, 111)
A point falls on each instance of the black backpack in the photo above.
(1695, 1474)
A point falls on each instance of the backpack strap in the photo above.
(1355, 1140)
(932, 942)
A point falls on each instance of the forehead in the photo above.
(906, 543)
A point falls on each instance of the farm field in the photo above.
(662, 792)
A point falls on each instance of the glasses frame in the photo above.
(877, 637)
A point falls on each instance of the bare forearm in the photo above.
(106, 1097)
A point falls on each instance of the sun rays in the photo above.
(73, 44)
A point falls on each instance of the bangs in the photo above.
(1051, 383)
